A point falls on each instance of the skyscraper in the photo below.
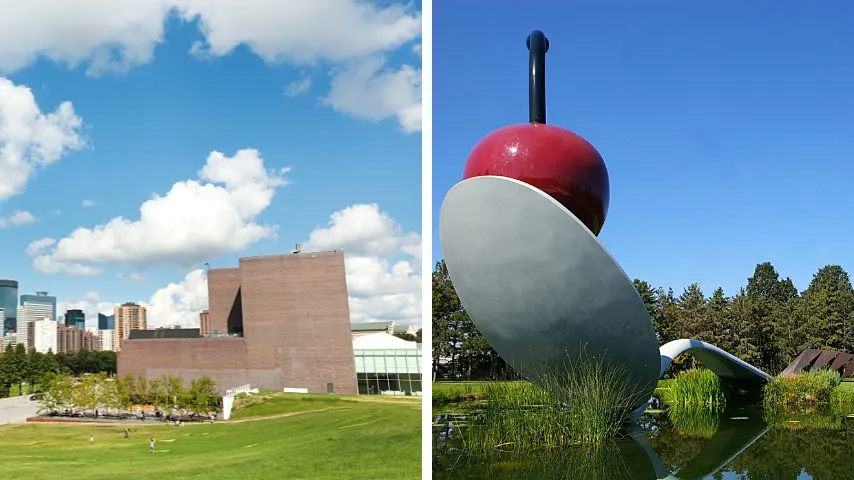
(28, 314)
(41, 298)
(75, 318)
(128, 316)
(9, 304)
(106, 322)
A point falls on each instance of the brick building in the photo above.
(274, 321)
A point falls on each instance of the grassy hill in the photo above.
(273, 436)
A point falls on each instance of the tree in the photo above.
(202, 394)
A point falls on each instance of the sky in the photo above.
(727, 127)
(140, 140)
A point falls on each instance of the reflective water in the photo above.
(739, 443)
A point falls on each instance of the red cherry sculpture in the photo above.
(550, 158)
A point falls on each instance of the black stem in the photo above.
(538, 45)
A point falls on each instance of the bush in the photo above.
(698, 388)
(801, 390)
(842, 400)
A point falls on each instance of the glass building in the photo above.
(75, 318)
(9, 304)
(41, 298)
(387, 365)
(106, 322)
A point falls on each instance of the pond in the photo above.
(735, 443)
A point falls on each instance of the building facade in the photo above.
(205, 323)
(128, 316)
(9, 304)
(44, 336)
(75, 318)
(106, 322)
(107, 340)
(280, 321)
(41, 298)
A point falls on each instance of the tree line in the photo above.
(767, 323)
(19, 367)
(90, 392)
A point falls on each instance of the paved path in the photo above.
(17, 409)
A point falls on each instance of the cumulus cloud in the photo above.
(86, 203)
(383, 272)
(194, 221)
(383, 263)
(17, 219)
(366, 90)
(29, 138)
(113, 37)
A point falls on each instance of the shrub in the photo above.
(801, 390)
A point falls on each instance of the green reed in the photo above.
(801, 390)
(698, 388)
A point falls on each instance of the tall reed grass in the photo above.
(587, 403)
(801, 390)
(701, 422)
(698, 388)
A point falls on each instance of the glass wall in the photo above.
(389, 372)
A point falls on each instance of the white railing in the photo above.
(241, 389)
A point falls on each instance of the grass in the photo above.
(357, 437)
(698, 388)
(801, 390)
(586, 404)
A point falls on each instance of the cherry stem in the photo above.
(538, 45)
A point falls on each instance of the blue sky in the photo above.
(726, 126)
(328, 98)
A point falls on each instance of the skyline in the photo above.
(137, 147)
(725, 131)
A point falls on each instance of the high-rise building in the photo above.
(9, 304)
(44, 336)
(28, 313)
(106, 322)
(75, 318)
(128, 316)
(41, 298)
(108, 339)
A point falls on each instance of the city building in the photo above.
(9, 304)
(41, 298)
(205, 323)
(75, 318)
(107, 339)
(28, 313)
(72, 339)
(368, 328)
(44, 336)
(129, 316)
(280, 321)
(106, 322)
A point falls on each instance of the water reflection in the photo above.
(743, 443)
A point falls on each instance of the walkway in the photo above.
(17, 409)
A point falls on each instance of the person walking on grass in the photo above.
(151, 445)
(126, 433)
(91, 440)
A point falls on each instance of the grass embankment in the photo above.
(354, 437)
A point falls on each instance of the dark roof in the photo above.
(369, 326)
(164, 333)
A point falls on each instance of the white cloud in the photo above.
(86, 203)
(383, 263)
(179, 303)
(380, 287)
(113, 37)
(29, 138)
(17, 219)
(365, 90)
(298, 87)
(194, 221)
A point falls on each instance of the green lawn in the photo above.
(356, 437)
